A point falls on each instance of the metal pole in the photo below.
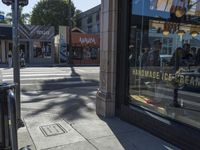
(12, 120)
(175, 98)
(16, 67)
(70, 42)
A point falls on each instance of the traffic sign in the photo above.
(1, 17)
(21, 2)
(7, 2)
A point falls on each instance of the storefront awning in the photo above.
(5, 33)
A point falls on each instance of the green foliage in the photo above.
(3, 21)
(76, 18)
(8, 18)
(2, 13)
(52, 12)
(23, 19)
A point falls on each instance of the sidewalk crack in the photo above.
(83, 136)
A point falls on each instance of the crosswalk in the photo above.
(35, 74)
(46, 76)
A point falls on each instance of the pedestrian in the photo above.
(10, 59)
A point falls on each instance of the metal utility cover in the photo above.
(52, 129)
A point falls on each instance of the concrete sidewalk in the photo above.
(61, 121)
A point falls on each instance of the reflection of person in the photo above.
(154, 55)
(10, 58)
(178, 58)
(144, 56)
(188, 57)
(132, 55)
(176, 61)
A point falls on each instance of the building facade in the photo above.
(37, 43)
(149, 67)
(89, 21)
(85, 47)
(5, 42)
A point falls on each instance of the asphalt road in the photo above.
(53, 78)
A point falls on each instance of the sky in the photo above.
(83, 5)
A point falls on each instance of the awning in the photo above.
(5, 33)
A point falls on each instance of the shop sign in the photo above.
(36, 32)
(85, 40)
(39, 32)
(178, 77)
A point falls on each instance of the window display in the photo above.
(77, 52)
(42, 49)
(164, 58)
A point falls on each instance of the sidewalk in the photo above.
(66, 120)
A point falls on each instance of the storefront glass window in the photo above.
(77, 52)
(93, 53)
(164, 58)
(42, 49)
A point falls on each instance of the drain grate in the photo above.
(52, 129)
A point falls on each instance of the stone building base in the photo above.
(105, 106)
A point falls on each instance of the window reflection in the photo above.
(164, 58)
(42, 49)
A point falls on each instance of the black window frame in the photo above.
(89, 19)
(172, 132)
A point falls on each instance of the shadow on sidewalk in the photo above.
(76, 105)
(64, 100)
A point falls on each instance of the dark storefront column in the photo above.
(105, 105)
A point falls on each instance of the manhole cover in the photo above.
(52, 129)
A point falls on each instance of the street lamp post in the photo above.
(16, 58)
(70, 34)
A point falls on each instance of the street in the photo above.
(53, 78)
(42, 86)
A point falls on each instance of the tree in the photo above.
(8, 18)
(77, 19)
(52, 12)
(23, 18)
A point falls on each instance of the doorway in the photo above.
(24, 47)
